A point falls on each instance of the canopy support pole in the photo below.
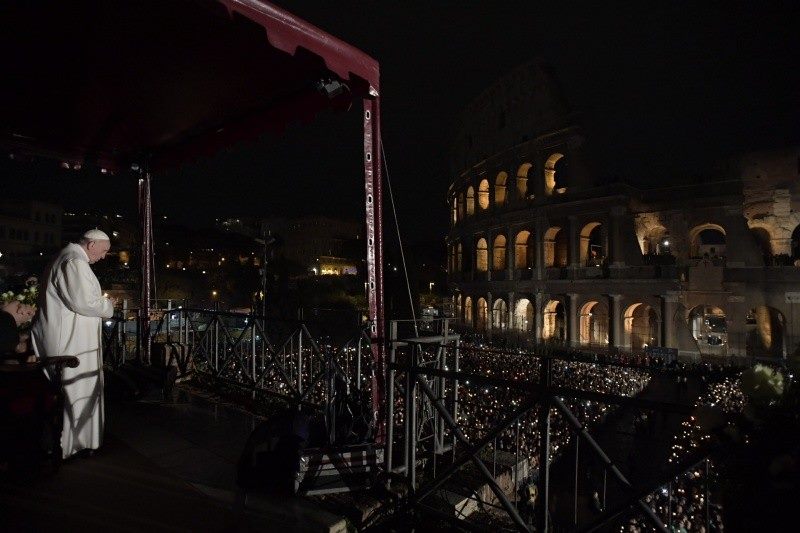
(146, 238)
(374, 220)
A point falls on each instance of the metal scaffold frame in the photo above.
(423, 382)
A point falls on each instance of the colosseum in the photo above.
(540, 249)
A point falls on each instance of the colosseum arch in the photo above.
(766, 328)
(592, 248)
(461, 205)
(459, 258)
(483, 194)
(468, 310)
(763, 239)
(499, 314)
(481, 256)
(523, 250)
(796, 243)
(523, 315)
(500, 188)
(655, 241)
(640, 326)
(499, 253)
(482, 314)
(594, 323)
(454, 210)
(708, 325)
(553, 184)
(522, 180)
(470, 201)
(554, 316)
(555, 247)
(708, 238)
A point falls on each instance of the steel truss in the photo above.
(423, 385)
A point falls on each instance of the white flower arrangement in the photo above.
(28, 296)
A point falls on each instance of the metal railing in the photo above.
(305, 362)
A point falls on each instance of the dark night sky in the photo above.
(662, 89)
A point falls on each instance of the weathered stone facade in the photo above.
(541, 249)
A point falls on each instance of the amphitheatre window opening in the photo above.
(459, 258)
(470, 201)
(454, 211)
(468, 310)
(482, 256)
(554, 327)
(641, 326)
(483, 311)
(592, 250)
(708, 325)
(499, 314)
(483, 194)
(523, 315)
(796, 245)
(555, 174)
(766, 328)
(522, 250)
(522, 180)
(763, 240)
(656, 241)
(500, 189)
(707, 242)
(460, 205)
(499, 253)
(594, 323)
(555, 247)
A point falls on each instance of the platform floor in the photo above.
(164, 466)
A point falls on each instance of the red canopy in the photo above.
(112, 83)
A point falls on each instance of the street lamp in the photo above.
(430, 286)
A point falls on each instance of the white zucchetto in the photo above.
(95, 235)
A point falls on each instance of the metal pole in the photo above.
(300, 361)
(575, 495)
(516, 466)
(544, 447)
(253, 352)
(455, 395)
(412, 422)
(146, 233)
(708, 510)
(124, 324)
(358, 361)
(216, 338)
(390, 393)
(373, 188)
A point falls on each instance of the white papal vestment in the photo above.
(69, 322)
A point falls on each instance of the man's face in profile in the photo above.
(97, 250)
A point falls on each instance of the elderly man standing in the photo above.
(69, 321)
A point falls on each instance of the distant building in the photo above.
(29, 227)
(305, 241)
(543, 250)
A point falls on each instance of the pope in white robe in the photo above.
(68, 322)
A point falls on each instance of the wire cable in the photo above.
(399, 240)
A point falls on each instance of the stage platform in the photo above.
(165, 466)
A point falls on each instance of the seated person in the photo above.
(13, 344)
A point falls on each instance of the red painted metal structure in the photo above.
(144, 85)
